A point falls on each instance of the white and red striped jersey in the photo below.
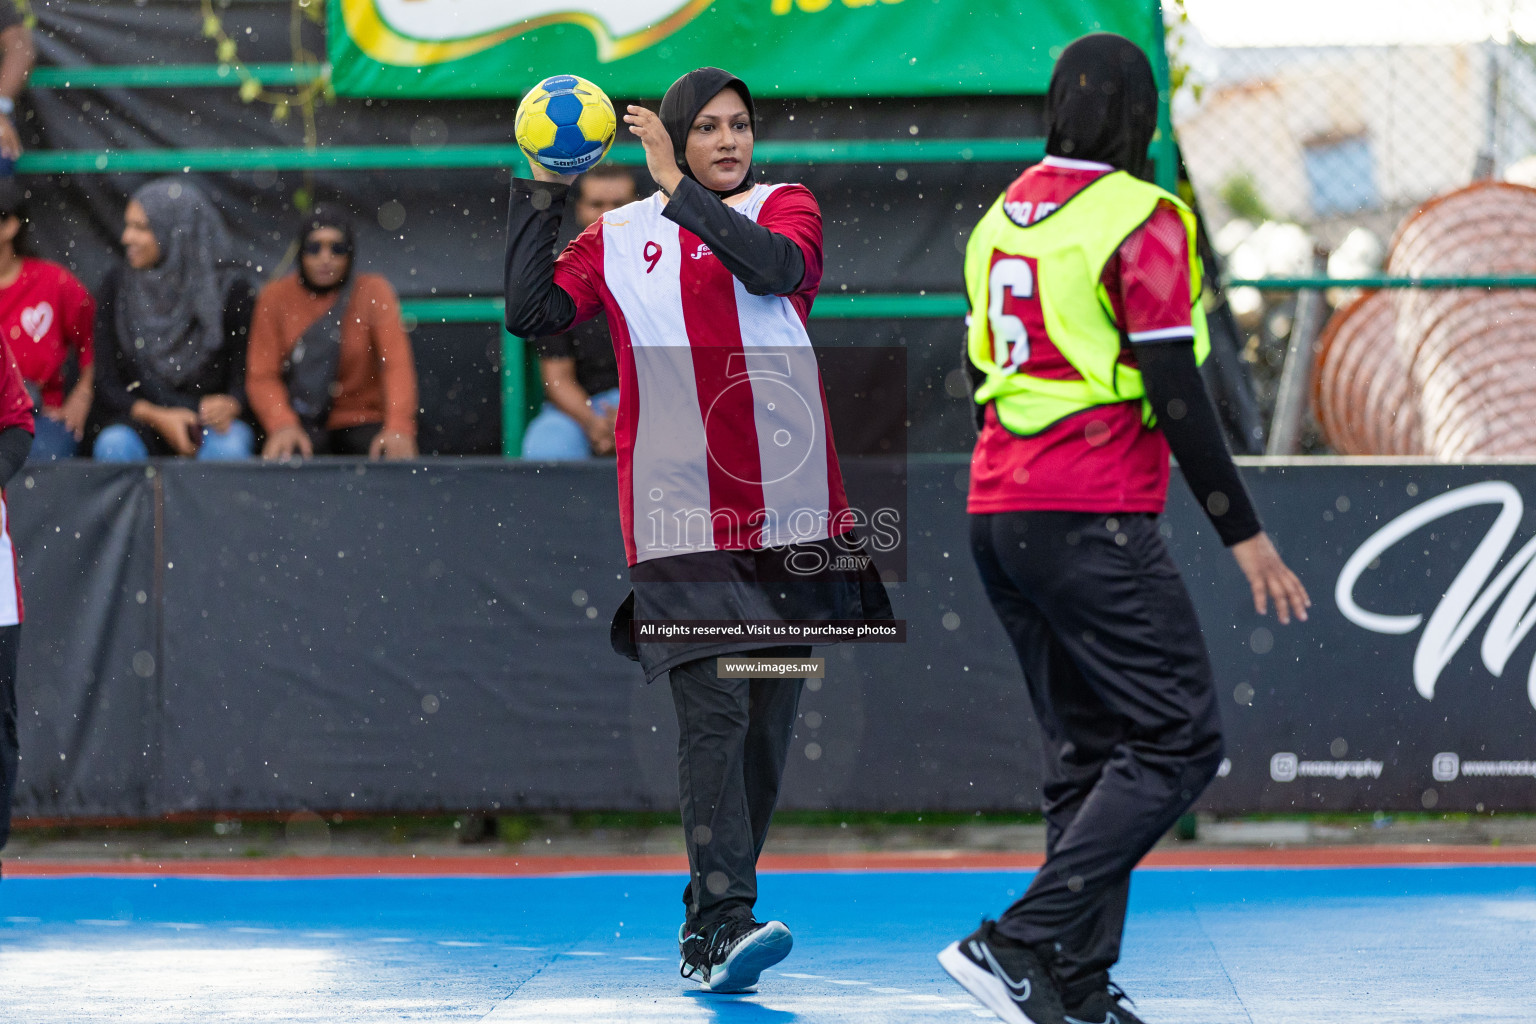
(15, 411)
(723, 437)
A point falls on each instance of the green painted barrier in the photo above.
(514, 393)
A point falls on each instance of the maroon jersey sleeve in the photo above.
(792, 211)
(1148, 280)
(15, 403)
(579, 272)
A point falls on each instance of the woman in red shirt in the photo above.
(46, 315)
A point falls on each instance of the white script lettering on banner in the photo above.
(1470, 596)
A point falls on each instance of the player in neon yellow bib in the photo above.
(1084, 344)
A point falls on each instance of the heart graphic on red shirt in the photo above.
(36, 320)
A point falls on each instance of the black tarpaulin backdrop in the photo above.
(359, 637)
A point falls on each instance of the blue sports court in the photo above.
(1412, 945)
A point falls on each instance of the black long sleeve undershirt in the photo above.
(766, 263)
(535, 304)
(1188, 420)
(15, 446)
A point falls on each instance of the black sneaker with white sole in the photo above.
(1104, 1006)
(731, 956)
(1009, 978)
(686, 941)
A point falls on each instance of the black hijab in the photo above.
(1102, 103)
(324, 215)
(682, 104)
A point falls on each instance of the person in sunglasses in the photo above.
(329, 370)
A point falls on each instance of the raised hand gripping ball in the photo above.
(566, 124)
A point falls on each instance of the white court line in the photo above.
(839, 981)
(457, 942)
(179, 925)
(23, 920)
(100, 923)
(393, 938)
(248, 930)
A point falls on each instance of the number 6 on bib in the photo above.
(1010, 278)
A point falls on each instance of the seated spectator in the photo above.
(46, 316)
(17, 55)
(580, 371)
(171, 333)
(330, 369)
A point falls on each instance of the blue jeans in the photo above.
(52, 442)
(121, 443)
(552, 436)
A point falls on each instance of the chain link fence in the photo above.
(1306, 159)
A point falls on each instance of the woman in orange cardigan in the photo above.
(329, 370)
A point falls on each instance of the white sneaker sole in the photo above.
(983, 984)
(764, 948)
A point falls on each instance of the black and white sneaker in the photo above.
(1104, 1006)
(686, 940)
(732, 955)
(1009, 978)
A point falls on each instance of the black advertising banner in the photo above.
(89, 711)
(1412, 685)
(434, 636)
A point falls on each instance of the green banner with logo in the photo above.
(789, 48)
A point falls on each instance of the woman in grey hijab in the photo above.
(171, 333)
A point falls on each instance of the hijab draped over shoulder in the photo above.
(170, 317)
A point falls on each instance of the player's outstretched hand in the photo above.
(660, 157)
(1271, 578)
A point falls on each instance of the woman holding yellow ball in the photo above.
(730, 494)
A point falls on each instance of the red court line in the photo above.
(503, 867)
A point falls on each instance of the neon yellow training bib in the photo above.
(1059, 261)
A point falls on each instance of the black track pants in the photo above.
(733, 740)
(10, 647)
(1120, 682)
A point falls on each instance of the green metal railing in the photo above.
(488, 309)
(170, 76)
(1296, 284)
(405, 157)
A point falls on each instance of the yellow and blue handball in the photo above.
(566, 124)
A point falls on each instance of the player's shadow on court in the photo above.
(740, 1009)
